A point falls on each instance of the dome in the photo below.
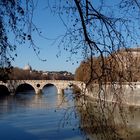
(27, 67)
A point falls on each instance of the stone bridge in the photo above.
(38, 85)
(130, 94)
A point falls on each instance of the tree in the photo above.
(97, 29)
(16, 27)
(102, 30)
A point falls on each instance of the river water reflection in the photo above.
(50, 116)
(27, 116)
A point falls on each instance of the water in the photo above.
(50, 116)
(109, 121)
(38, 117)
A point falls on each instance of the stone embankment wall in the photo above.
(128, 93)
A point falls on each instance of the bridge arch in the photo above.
(47, 85)
(24, 87)
(4, 90)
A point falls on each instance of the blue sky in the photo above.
(51, 27)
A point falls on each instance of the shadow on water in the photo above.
(101, 124)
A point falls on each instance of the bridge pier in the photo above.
(60, 90)
(12, 91)
(38, 91)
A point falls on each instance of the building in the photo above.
(28, 67)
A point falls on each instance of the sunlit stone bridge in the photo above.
(130, 94)
(38, 85)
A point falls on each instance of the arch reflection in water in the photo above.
(4, 90)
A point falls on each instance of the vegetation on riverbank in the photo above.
(120, 66)
(21, 74)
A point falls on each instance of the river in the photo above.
(27, 116)
(51, 116)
